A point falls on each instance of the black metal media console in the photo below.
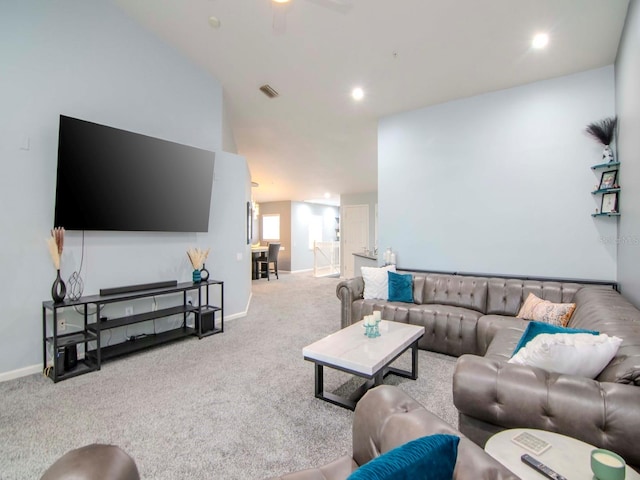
(91, 332)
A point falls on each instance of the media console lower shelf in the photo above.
(204, 325)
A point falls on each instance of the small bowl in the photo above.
(607, 465)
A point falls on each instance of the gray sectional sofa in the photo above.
(474, 318)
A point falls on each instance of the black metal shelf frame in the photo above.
(91, 332)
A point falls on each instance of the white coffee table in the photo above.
(350, 350)
(567, 456)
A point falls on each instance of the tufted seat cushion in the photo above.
(489, 326)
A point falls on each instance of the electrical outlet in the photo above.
(128, 311)
(62, 324)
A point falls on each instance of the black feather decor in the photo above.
(603, 130)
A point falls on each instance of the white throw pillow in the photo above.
(580, 354)
(376, 281)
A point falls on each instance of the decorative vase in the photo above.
(196, 276)
(204, 273)
(372, 330)
(58, 289)
(607, 154)
(76, 286)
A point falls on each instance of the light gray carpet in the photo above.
(238, 405)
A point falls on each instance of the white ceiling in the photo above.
(406, 54)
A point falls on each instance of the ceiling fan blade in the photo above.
(341, 6)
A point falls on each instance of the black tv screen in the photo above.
(111, 179)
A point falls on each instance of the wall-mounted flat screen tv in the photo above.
(112, 179)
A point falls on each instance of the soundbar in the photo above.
(137, 288)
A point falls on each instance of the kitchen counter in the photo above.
(363, 260)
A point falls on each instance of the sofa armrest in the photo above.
(386, 417)
(348, 291)
(499, 393)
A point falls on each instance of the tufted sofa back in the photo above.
(491, 296)
(454, 290)
(606, 311)
(487, 295)
(505, 296)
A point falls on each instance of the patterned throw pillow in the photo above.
(376, 281)
(535, 308)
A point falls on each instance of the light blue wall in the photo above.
(628, 109)
(499, 183)
(301, 212)
(88, 60)
(230, 255)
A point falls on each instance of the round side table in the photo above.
(567, 456)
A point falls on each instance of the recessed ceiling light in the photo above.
(214, 22)
(281, 1)
(357, 93)
(540, 40)
(327, 195)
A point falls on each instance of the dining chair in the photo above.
(272, 258)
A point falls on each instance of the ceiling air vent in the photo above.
(268, 91)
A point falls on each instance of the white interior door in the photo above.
(354, 234)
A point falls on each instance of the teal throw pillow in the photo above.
(427, 458)
(400, 287)
(536, 328)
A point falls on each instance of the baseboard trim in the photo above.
(246, 310)
(235, 316)
(20, 372)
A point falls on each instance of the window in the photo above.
(271, 227)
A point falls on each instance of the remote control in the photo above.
(541, 467)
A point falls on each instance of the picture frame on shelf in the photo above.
(608, 179)
(609, 203)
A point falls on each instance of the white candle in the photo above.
(377, 315)
(608, 460)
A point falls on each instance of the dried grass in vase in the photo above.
(197, 257)
(56, 244)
